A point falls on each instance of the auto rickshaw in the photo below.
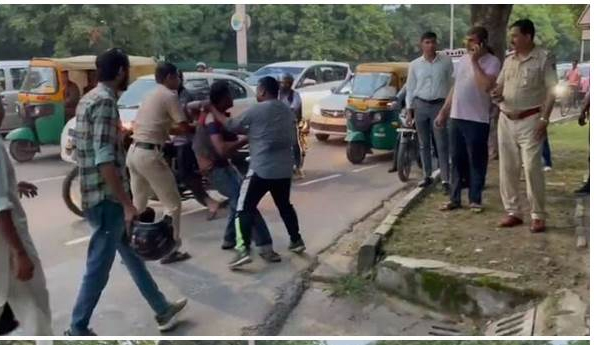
(369, 115)
(43, 105)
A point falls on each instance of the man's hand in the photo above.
(541, 130)
(27, 189)
(497, 94)
(23, 266)
(477, 52)
(409, 117)
(441, 119)
(130, 214)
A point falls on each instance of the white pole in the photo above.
(452, 26)
(582, 51)
(241, 38)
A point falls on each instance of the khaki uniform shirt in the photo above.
(526, 81)
(159, 111)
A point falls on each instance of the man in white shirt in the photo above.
(428, 84)
(22, 282)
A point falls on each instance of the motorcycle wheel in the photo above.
(71, 192)
(405, 153)
(22, 150)
(356, 152)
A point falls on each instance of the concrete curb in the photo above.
(370, 250)
(472, 291)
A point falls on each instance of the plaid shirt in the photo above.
(98, 141)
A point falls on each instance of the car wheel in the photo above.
(22, 150)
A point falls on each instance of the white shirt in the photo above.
(9, 200)
(429, 80)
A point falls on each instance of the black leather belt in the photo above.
(433, 101)
(147, 146)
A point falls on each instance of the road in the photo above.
(333, 195)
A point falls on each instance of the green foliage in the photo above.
(351, 33)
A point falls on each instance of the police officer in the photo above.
(524, 92)
(159, 115)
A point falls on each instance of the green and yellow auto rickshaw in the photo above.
(44, 102)
(369, 115)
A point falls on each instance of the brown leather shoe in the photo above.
(510, 221)
(537, 225)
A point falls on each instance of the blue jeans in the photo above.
(107, 222)
(227, 181)
(546, 153)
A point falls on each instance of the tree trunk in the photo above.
(494, 18)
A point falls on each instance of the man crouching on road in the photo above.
(157, 115)
(105, 198)
(270, 127)
(22, 282)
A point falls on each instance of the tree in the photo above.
(494, 18)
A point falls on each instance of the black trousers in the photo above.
(187, 172)
(469, 150)
(252, 191)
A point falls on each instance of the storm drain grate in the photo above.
(442, 330)
(520, 324)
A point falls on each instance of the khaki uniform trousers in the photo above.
(150, 172)
(517, 145)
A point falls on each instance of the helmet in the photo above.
(152, 240)
(201, 65)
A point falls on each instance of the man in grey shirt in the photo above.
(428, 84)
(269, 126)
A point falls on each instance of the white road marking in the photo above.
(365, 168)
(78, 240)
(319, 180)
(47, 179)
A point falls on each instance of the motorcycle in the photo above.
(71, 184)
(407, 150)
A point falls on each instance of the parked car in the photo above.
(12, 74)
(313, 79)
(243, 75)
(196, 83)
(328, 114)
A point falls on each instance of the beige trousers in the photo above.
(518, 146)
(149, 171)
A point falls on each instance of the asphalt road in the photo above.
(333, 195)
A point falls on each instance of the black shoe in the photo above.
(445, 188)
(241, 258)
(297, 246)
(393, 170)
(227, 245)
(270, 256)
(584, 190)
(168, 320)
(427, 181)
(87, 333)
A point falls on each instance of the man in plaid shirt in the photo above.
(105, 198)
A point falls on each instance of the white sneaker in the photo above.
(547, 169)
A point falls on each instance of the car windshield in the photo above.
(367, 84)
(276, 72)
(136, 92)
(42, 80)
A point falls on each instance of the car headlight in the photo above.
(377, 117)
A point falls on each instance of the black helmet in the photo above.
(152, 240)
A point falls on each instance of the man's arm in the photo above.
(411, 85)
(550, 82)
(484, 79)
(177, 114)
(237, 124)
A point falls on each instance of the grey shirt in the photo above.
(270, 127)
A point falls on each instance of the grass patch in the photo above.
(351, 286)
(546, 261)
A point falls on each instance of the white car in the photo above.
(313, 79)
(196, 83)
(328, 116)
